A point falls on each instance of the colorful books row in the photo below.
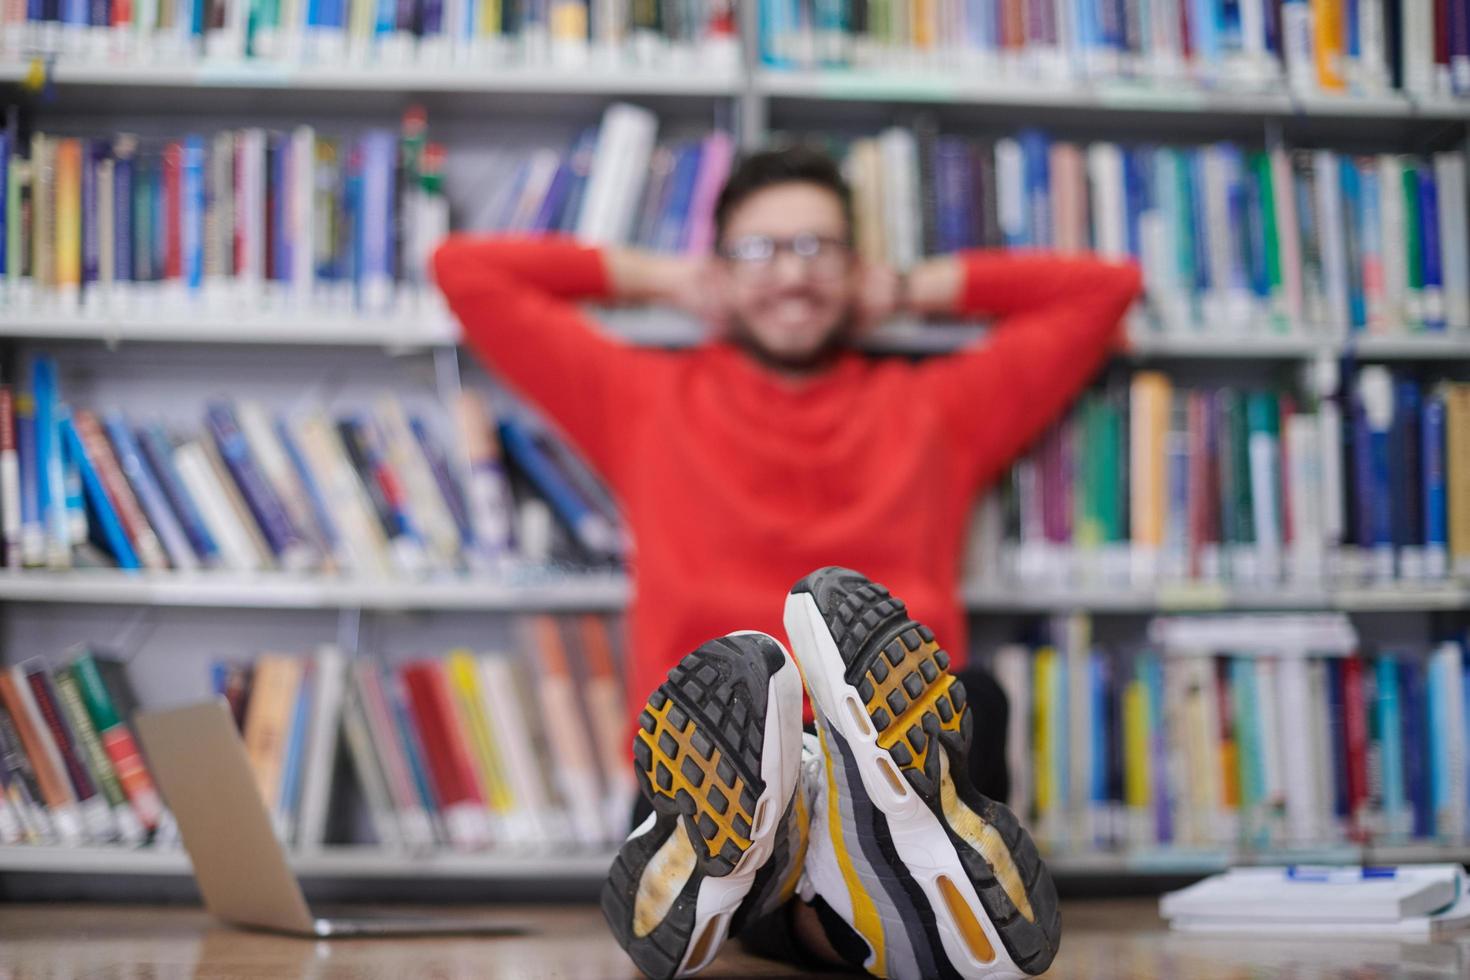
(249, 217)
(463, 751)
(70, 768)
(1366, 47)
(666, 191)
(1153, 484)
(1230, 239)
(375, 493)
(423, 33)
(1256, 743)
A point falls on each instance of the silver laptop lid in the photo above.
(199, 761)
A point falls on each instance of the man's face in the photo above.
(788, 278)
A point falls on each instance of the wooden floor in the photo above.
(1101, 941)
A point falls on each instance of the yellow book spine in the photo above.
(1150, 420)
(43, 211)
(1137, 783)
(1457, 437)
(569, 21)
(922, 24)
(464, 682)
(1045, 777)
(1327, 43)
(69, 214)
(490, 18)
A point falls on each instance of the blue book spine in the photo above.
(954, 188)
(1153, 677)
(122, 221)
(1109, 26)
(1390, 728)
(1137, 170)
(776, 28)
(1432, 261)
(385, 18)
(1437, 747)
(1406, 467)
(108, 525)
(1352, 35)
(159, 224)
(51, 497)
(280, 158)
(1353, 220)
(158, 454)
(1380, 490)
(319, 509)
(1416, 780)
(1099, 761)
(1088, 32)
(1337, 723)
(150, 495)
(219, 677)
(1255, 237)
(1238, 208)
(548, 215)
(91, 249)
(1036, 168)
(675, 215)
(334, 12)
(433, 18)
(444, 478)
(75, 12)
(375, 217)
(549, 482)
(1203, 18)
(191, 220)
(1192, 162)
(260, 497)
(1362, 476)
(1370, 236)
(1436, 514)
(295, 749)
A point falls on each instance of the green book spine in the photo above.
(1248, 749)
(94, 692)
(1414, 255)
(1224, 410)
(94, 756)
(1261, 167)
(1188, 233)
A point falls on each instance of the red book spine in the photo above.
(173, 211)
(1186, 48)
(137, 784)
(1012, 24)
(1355, 723)
(81, 781)
(53, 784)
(99, 451)
(449, 765)
(122, 13)
(1283, 466)
(1441, 38)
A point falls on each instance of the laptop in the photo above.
(199, 761)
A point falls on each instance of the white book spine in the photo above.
(1010, 189)
(1417, 46)
(1266, 503)
(269, 455)
(236, 549)
(1298, 46)
(302, 178)
(1454, 250)
(901, 196)
(1105, 171)
(1450, 821)
(624, 148)
(1268, 712)
(1394, 313)
(1330, 237)
(1304, 457)
(1013, 673)
(1217, 234)
(320, 757)
(250, 212)
(429, 508)
(1372, 69)
(1297, 757)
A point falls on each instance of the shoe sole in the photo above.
(718, 797)
(880, 682)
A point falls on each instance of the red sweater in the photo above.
(736, 483)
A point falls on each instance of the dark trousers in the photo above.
(989, 712)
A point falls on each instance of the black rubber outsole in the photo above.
(697, 756)
(914, 703)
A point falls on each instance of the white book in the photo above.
(250, 177)
(1304, 485)
(11, 831)
(1288, 234)
(1264, 453)
(1330, 238)
(1416, 43)
(1449, 820)
(1395, 313)
(1216, 171)
(1013, 674)
(1298, 49)
(301, 178)
(1298, 760)
(1268, 713)
(901, 207)
(1304, 894)
(1105, 174)
(1372, 75)
(619, 166)
(430, 512)
(1454, 250)
(510, 723)
(1010, 190)
(275, 466)
(1165, 48)
(319, 757)
(365, 764)
(237, 551)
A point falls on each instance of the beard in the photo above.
(838, 338)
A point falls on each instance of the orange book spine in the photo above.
(69, 214)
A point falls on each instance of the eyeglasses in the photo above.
(756, 254)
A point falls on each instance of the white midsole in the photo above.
(780, 766)
(921, 842)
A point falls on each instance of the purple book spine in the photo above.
(91, 246)
(265, 507)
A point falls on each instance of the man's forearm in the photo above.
(637, 276)
(935, 286)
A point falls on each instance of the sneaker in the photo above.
(933, 877)
(717, 754)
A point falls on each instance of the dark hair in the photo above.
(789, 165)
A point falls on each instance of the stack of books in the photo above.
(560, 34)
(70, 768)
(1251, 733)
(247, 220)
(1231, 239)
(1148, 485)
(1317, 46)
(374, 493)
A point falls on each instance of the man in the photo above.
(743, 464)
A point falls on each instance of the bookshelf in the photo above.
(527, 104)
